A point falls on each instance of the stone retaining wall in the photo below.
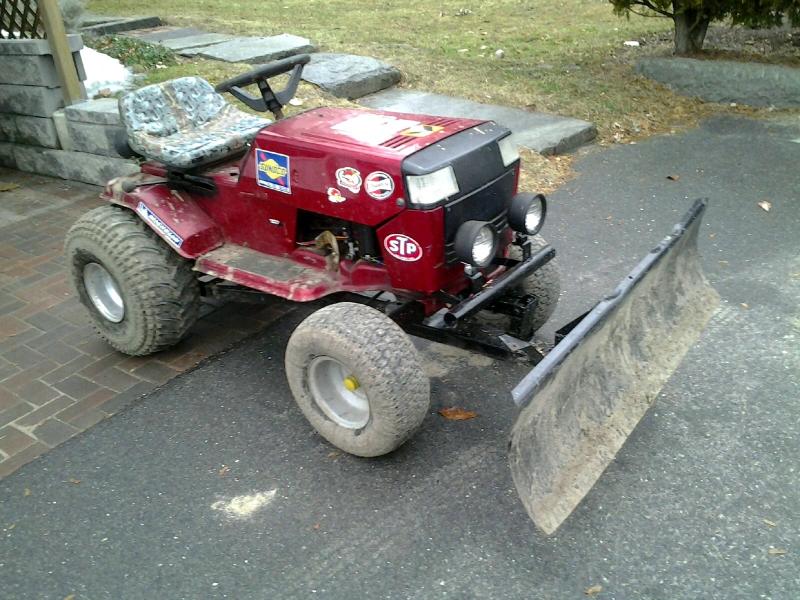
(36, 133)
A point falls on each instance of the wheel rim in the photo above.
(338, 393)
(104, 292)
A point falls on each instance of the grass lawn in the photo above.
(560, 56)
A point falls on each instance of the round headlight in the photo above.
(476, 243)
(527, 213)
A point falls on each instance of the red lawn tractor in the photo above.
(413, 224)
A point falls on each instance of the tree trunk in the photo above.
(691, 26)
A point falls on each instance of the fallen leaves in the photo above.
(777, 551)
(769, 523)
(224, 470)
(593, 590)
(454, 413)
(73, 481)
(27, 492)
(765, 205)
(7, 187)
(673, 177)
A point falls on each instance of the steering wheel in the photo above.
(270, 100)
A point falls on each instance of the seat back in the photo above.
(166, 108)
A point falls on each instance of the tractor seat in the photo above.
(185, 124)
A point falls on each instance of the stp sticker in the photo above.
(421, 130)
(349, 178)
(161, 227)
(379, 185)
(272, 171)
(402, 247)
(335, 196)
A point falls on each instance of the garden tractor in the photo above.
(407, 224)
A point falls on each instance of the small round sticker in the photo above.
(335, 195)
(379, 185)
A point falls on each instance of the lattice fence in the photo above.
(19, 19)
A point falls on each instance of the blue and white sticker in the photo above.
(159, 225)
(272, 171)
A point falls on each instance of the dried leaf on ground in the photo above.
(73, 481)
(593, 590)
(27, 492)
(673, 177)
(224, 470)
(7, 187)
(777, 551)
(745, 305)
(770, 523)
(765, 205)
(454, 413)
(335, 454)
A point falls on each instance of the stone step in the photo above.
(119, 25)
(254, 50)
(348, 75)
(542, 132)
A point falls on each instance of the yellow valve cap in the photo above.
(351, 383)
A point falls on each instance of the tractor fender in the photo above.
(173, 215)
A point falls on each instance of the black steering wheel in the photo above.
(270, 100)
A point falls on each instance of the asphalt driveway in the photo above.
(702, 502)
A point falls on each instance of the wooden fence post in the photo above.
(53, 24)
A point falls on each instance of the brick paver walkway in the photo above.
(57, 378)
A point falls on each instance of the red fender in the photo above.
(174, 216)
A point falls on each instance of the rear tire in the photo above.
(151, 296)
(544, 285)
(357, 378)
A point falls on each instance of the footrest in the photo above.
(271, 274)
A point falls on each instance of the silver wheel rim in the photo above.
(327, 380)
(104, 292)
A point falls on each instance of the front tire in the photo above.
(141, 296)
(357, 378)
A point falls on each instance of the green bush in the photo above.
(139, 55)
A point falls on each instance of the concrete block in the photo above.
(542, 132)
(36, 131)
(7, 158)
(60, 122)
(103, 111)
(121, 25)
(35, 69)
(256, 50)
(96, 139)
(8, 128)
(34, 47)
(30, 100)
(33, 160)
(348, 75)
(88, 168)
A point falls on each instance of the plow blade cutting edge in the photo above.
(584, 399)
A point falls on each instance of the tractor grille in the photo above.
(489, 203)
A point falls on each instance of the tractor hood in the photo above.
(388, 134)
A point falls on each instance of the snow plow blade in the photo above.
(584, 399)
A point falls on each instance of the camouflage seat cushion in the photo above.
(184, 123)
